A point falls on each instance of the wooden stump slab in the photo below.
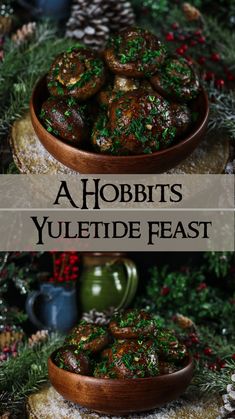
(32, 158)
(48, 404)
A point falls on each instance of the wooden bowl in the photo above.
(94, 163)
(119, 396)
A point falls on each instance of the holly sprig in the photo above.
(187, 290)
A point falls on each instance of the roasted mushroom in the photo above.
(177, 80)
(133, 324)
(70, 358)
(65, 118)
(134, 52)
(78, 72)
(181, 118)
(88, 337)
(169, 348)
(134, 359)
(139, 122)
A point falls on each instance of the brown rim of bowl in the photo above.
(91, 379)
(132, 157)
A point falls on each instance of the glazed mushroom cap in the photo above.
(134, 52)
(141, 122)
(181, 118)
(176, 80)
(133, 324)
(88, 337)
(135, 359)
(169, 348)
(65, 118)
(78, 72)
(73, 360)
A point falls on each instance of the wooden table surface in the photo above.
(48, 404)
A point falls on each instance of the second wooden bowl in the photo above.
(116, 396)
(84, 161)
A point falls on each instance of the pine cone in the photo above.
(191, 13)
(97, 317)
(184, 322)
(228, 409)
(39, 337)
(120, 14)
(92, 21)
(6, 18)
(8, 337)
(24, 33)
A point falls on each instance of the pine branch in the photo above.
(223, 38)
(214, 382)
(219, 263)
(24, 374)
(222, 110)
(22, 66)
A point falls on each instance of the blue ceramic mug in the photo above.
(57, 309)
(54, 9)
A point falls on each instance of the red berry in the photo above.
(184, 47)
(196, 355)
(208, 351)
(201, 286)
(175, 25)
(189, 59)
(181, 38)
(202, 60)
(194, 338)
(180, 51)
(231, 77)
(215, 56)
(209, 75)
(212, 367)
(193, 43)
(198, 32)
(202, 39)
(170, 36)
(165, 291)
(233, 357)
(219, 83)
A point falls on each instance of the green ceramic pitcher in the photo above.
(107, 280)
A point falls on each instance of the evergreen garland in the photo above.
(22, 65)
(187, 290)
(24, 374)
